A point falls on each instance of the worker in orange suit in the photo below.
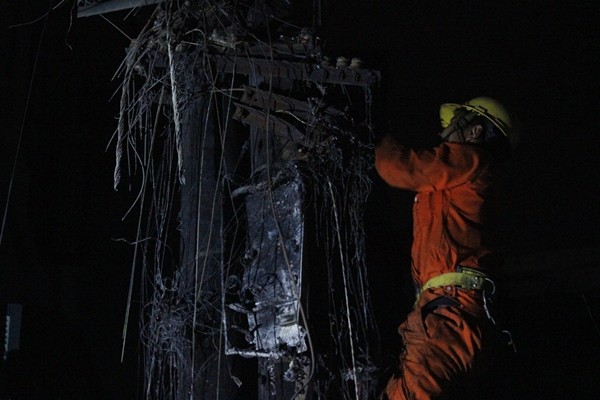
(450, 337)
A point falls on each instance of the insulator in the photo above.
(341, 62)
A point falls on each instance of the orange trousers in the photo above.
(449, 342)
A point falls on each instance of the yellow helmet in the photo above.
(486, 107)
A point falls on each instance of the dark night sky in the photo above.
(58, 257)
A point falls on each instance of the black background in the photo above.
(59, 257)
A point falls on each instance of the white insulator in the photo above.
(356, 62)
(341, 62)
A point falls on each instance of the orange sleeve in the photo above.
(444, 166)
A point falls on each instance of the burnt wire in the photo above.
(355, 184)
(343, 264)
(42, 17)
(198, 282)
(141, 197)
(116, 27)
(296, 291)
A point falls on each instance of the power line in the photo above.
(22, 128)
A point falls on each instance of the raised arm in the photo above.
(444, 166)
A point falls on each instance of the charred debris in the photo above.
(250, 151)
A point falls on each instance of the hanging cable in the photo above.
(589, 311)
(25, 112)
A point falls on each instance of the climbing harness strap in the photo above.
(465, 279)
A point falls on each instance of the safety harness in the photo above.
(469, 279)
(464, 278)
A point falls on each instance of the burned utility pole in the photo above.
(252, 150)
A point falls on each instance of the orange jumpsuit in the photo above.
(448, 336)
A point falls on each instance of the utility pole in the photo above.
(253, 148)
